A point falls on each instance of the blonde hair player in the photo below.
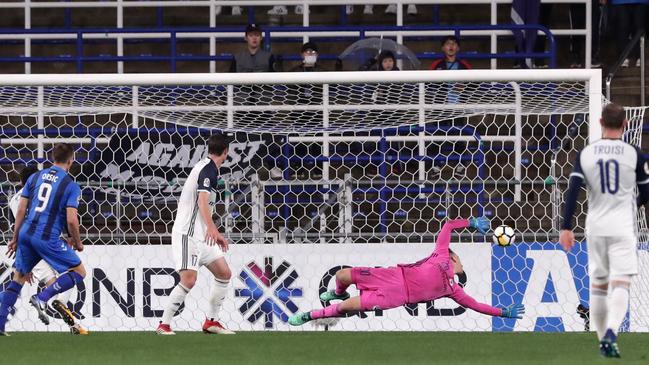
(611, 169)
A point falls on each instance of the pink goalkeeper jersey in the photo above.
(433, 277)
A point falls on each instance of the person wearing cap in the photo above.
(253, 58)
(309, 59)
(450, 48)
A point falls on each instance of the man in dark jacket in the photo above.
(309, 59)
(450, 47)
(253, 58)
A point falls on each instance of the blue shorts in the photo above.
(57, 253)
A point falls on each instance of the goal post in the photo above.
(325, 170)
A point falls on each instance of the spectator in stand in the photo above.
(578, 21)
(385, 61)
(349, 9)
(236, 10)
(630, 18)
(253, 58)
(309, 59)
(451, 48)
(390, 9)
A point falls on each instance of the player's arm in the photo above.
(207, 183)
(74, 228)
(642, 179)
(444, 238)
(212, 235)
(467, 301)
(23, 204)
(567, 237)
(12, 246)
(72, 218)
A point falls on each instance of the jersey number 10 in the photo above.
(605, 175)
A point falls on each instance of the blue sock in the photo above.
(9, 297)
(63, 283)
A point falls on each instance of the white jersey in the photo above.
(203, 177)
(14, 201)
(611, 169)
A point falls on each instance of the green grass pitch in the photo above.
(317, 348)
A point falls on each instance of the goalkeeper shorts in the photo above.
(381, 288)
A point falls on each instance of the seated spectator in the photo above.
(253, 59)
(309, 59)
(450, 47)
(391, 9)
(236, 10)
(385, 61)
(630, 17)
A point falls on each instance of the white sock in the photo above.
(219, 290)
(598, 311)
(618, 304)
(176, 299)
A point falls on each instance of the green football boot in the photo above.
(299, 319)
(330, 295)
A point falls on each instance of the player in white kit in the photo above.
(196, 241)
(43, 272)
(611, 169)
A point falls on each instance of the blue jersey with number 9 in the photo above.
(50, 192)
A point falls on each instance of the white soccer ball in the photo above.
(504, 235)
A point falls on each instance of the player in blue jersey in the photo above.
(51, 199)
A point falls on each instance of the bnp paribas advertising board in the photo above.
(127, 287)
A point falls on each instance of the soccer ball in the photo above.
(504, 235)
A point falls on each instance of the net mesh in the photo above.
(373, 168)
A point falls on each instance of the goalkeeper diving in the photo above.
(425, 280)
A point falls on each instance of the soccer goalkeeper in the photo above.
(391, 287)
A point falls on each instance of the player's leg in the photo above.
(598, 266)
(185, 257)
(344, 279)
(213, 258)
(350, 305)
(381, 288)
(9, 297)
(622, 256)
(26, 259)
(46, 276)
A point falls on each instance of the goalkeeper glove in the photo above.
(513, 311)
(480, 224)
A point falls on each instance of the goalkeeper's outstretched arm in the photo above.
(480, 224)
(465, 300)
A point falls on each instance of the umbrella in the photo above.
(365, 49)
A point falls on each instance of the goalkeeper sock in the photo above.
(9, 297)
(340, 287)
(327, 312)
(219, 290)
(62, 283)
(176, 299)
(598, 311)
(618, 304)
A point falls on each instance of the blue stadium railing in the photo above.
(271, 34)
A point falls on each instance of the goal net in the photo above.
(324, 171)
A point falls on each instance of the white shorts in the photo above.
(43, 272)
(191, 253)
(609, 257)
